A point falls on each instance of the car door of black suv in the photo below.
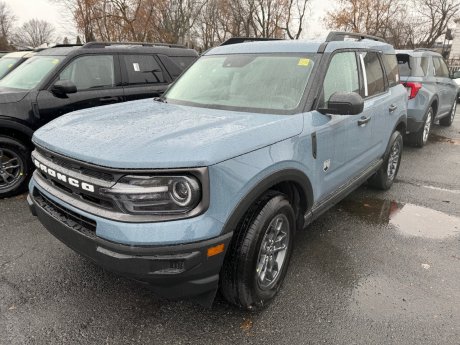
(97, 80)
(143, 76)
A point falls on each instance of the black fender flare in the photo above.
(10, 124)
(284, 175)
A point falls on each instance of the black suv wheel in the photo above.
(420, 138)
(257, 260)
(14, 167)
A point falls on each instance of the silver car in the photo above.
(432, 93)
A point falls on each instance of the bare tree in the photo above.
(34, 33)
(7, 20)
(295, 18)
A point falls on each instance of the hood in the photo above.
(148, 134)
(11, 95)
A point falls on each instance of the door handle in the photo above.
(108, 99)
(363, 121)
(392, 108)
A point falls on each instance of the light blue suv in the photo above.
(431, 92)
(207, 186)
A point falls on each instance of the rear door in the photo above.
(143, 76)
(97, 79)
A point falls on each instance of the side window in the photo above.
(440, 68)
(391, 67)
(341, 76)
(374, 81)
(90, 72)
(143, 69)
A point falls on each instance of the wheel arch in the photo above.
(292, 182)
(17, 131)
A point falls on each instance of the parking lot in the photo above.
(379, 268)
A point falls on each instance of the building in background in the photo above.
(455, 49)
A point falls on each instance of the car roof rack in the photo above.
(141, 44)
(425, 50)
(235, 40)
(341, 35)
(66, 45)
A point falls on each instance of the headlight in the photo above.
(156, 194)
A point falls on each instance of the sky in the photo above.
(54, 13)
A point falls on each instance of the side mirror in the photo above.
(63, 87)
(456, 75)
(344, 103)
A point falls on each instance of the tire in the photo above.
(15, 165)
(420, 138)
(243, 281)
(383, 179)
(448, 120)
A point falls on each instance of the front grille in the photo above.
(72, 219)
(71, 165)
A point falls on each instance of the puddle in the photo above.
(435, 138)
(409, 219)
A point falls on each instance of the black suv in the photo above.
(59, 80)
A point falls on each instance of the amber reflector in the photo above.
(216, 250)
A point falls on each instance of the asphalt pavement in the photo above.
(379, 268)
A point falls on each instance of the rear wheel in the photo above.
(447, 121)
(385, 176)
(257, 260)
(14, 167)
(420, 138)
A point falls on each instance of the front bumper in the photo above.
(172, 271)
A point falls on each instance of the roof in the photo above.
(297, 46)
(19, 54)
(170, 51)
(418, 52)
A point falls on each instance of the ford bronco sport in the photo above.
(59, 80)
(207, 185)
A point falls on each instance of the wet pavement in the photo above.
(378, 268)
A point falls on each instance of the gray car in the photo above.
(432, 93)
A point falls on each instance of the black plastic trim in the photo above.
(287, 175)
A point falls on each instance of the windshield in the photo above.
(30, 73)
(6, 63)
(245, 82)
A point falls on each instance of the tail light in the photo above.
(412, 89)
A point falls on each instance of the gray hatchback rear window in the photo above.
(410, 66)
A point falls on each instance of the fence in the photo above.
(454, 65)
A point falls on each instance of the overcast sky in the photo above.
(55, 14)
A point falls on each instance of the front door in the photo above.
(97, 80)
(447, 87)
(343, 141)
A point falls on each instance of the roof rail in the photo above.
(142, 44)
(341, 35)
(425, 50)
(235, 40)
(66, 45)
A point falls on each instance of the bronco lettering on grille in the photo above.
(64, 178)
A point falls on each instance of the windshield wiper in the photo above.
(160, 99)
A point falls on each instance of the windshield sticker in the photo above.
(55, 61)
(136, 67)
(303, 62)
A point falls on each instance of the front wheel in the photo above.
(257, 260)
(448, 120)
(14, 167)
(385, 176)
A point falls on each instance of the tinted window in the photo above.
(143, 69)
(373, 74)
(440, 67)
(391, 68)
(183, 61)
(342, 75)
(410, 66)
(90, 72)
